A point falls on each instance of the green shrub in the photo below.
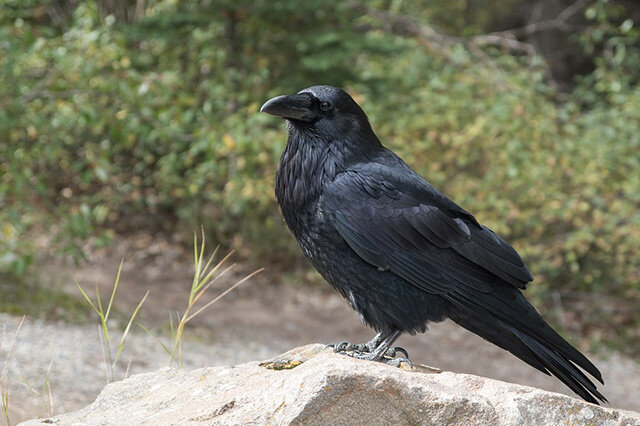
(113, 126)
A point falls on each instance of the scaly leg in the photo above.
(377, 349)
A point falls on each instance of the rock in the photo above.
(312, 385)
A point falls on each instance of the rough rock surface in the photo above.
(312, 385)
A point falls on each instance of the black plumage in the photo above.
(398, 250)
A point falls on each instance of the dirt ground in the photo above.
(258, 320)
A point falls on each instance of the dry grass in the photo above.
(110, 355)
(205, 275)
(4, 375)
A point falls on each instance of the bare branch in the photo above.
(572, 10)
(559, 22)
(436, 41)
(407, 26)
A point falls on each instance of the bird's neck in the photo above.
(311, 161)
(306, 165)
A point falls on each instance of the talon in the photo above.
(401, 350)
(397, 362)
(392, 352)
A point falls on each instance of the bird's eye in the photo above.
(325, 106)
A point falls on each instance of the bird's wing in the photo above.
(385, 218)
(395, 221)
(398, 221)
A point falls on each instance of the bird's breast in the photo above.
(303, 172)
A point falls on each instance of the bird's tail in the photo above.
(539, 346)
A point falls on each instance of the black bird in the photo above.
(399, 251)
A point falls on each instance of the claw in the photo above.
(391, 353)
(397, 362)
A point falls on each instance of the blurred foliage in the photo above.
(51, 303)
(613, 40)
(148, 119)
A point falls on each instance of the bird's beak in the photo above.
(294, 107)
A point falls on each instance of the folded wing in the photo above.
(405, 226)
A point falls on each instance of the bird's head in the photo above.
(322, 110)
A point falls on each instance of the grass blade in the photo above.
(224, 293)
(156, 338)
(126, 330)
(113, 293)
(4, 392)
(87, 298)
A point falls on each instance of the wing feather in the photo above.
(408, 219)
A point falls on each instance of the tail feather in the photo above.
(512, 308)
(563, 369)
(485, 327)
(556, 358)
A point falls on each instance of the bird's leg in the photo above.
(384, 352)
(374, 343)
(380, 351)
(371, 344)
(377, 349)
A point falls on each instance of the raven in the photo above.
(397, 249)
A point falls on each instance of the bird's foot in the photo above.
(388, 358)
(366, 351)
(349, 347)
(397, 362)
(368, 347)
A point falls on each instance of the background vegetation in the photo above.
(120, 115)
